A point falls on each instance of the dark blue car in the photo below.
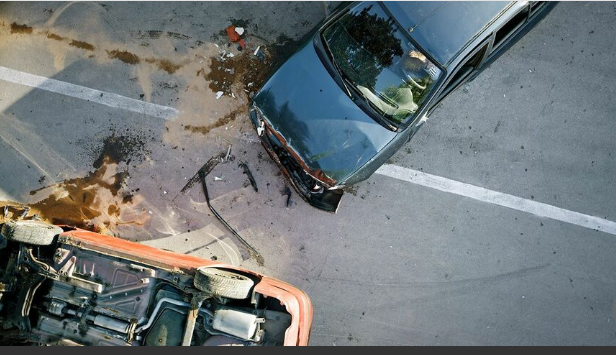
(366, 79)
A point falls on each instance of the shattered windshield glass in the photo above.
(376, 58)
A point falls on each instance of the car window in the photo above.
(464, 70)
(509, 28)
(380, 62)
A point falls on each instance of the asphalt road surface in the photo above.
(495, 225)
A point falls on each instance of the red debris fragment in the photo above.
(234, 36)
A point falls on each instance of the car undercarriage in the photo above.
(54, 290)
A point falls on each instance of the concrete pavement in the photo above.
(400, 263)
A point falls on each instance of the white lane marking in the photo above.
(88, 94)
(497, 198)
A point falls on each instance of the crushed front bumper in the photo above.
(325, 199)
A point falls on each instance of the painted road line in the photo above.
(497, 198)
(88, 94)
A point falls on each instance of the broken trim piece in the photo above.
(248, 173)
(253, 252)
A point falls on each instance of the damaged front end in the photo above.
(314, 187)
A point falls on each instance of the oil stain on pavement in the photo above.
(97, 201)
(102, 200)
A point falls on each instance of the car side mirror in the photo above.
(415, 128)
(423, 119)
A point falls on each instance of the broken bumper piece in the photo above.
(310, 189)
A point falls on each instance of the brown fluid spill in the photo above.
(20, 29)
(247, 68)
(164, 64)
(244, 69)
(124, 56)
(132, 59)
(82, 45)
(219, 123)
(97, 201)
(77, 202)
(118, 149)
(159, 34)
(55, 37)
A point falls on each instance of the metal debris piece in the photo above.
(287, 192)
(248, 173)
(219, 178)
(25, 212)
(259, 54)
(206, 168)
(253, 252)
(6, 211)
(219, 95)
(228, 153)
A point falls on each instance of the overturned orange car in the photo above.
(65, 286)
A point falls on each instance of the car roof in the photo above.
(443, 28)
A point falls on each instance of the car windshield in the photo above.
(376, 58)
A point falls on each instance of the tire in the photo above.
(223, 283)
(30, 232)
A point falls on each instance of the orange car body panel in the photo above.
(297, 303)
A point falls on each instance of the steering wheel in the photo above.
(414, 83)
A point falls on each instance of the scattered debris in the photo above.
(253, 252)
(247, 171)
(259, 54)
(235, 36)
(120, 148)
(219, 94)
(219, 178)
(206, 168)
(287, 192)
(232, 74)
(228, 154)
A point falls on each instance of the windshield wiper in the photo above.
(380, 115)
(344, 78)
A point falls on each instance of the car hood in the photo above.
(325, 128)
